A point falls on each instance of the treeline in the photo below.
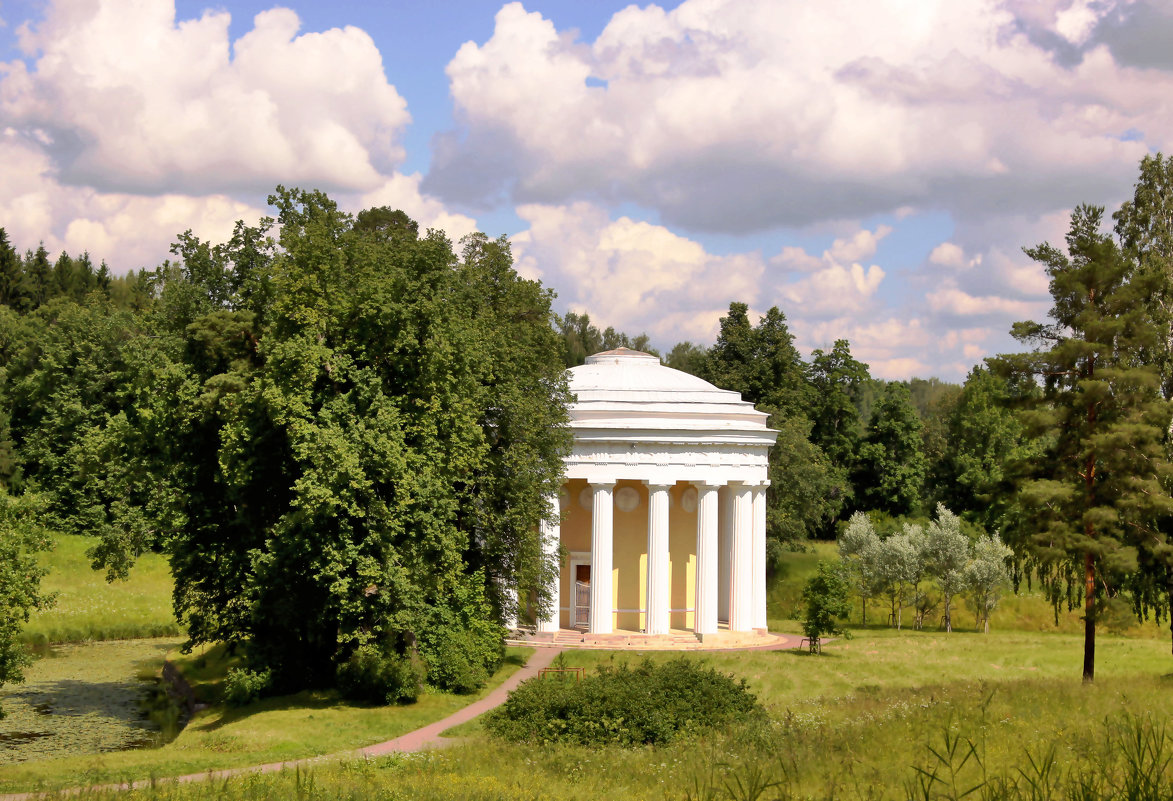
(341, 434)
(28, 282)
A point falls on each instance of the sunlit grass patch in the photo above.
(89, 608)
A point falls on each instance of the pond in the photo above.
(82, 699)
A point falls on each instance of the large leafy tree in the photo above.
(985, 442)
(760, 362)
(367, 422)
(837, 379)
(1096, 489)
(892, 466)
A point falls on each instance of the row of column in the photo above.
(740, 565)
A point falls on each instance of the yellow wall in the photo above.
(629, 558)
(576, 536)
(682, 558)
(628, 584)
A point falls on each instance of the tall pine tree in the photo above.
(1096, 489)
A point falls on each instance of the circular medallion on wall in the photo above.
(626, 499)
(586, 498)
(688, 500)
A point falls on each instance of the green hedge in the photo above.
(649, 704)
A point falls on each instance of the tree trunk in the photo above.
(863, 610)
(1089, 618)
(986, 623)
(948, 618)
(1089, 564)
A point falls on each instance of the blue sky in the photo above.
(872, 167)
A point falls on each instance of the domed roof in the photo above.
(625, 388)
(628, 370)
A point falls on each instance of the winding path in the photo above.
(426, 737)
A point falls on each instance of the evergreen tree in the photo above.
(102, 279)
(38, 277)
(1096, 489)
(1144, 226)
(12, 282)
(64, 283)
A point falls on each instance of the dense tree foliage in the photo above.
(339, 429)
(761, 362)
(892, 465)
(1144, 226)
(985, 443)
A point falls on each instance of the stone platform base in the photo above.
(674, 641)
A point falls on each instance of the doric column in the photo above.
(724, 551)
(551, 536)
(659, 588)
(706, 559)
(602, 521)
(741, 581)
(759, 555)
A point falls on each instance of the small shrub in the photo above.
(242, 686)
(826, 602)
(375, 675)
(649, 704)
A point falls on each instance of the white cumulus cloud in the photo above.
(739, 115)
(125, 98)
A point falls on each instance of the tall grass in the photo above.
(1123, 756)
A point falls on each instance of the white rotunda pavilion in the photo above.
(663, 509)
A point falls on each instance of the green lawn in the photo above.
(90, 608)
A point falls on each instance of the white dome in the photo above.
(629, 389)
(624, 370)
